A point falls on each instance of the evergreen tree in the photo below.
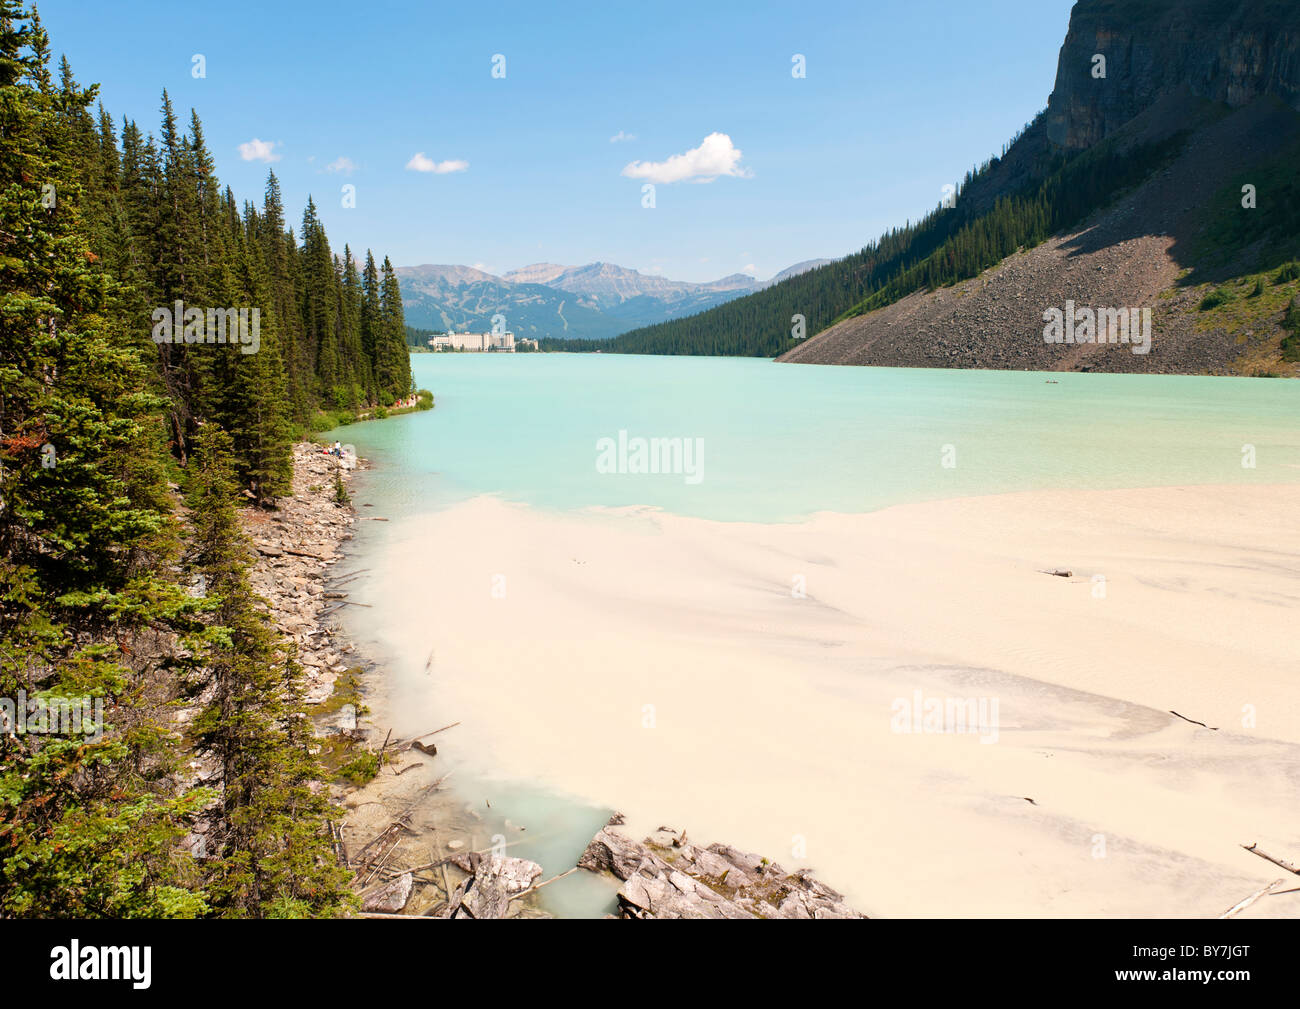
(371, 318)
(392, 360)
(317, 294)
(272, 854)
(88, 824)
(98, 228)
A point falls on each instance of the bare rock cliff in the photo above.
(1229, 51)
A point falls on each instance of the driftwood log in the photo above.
(1283, 863)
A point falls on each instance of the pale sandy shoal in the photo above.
(772, 713)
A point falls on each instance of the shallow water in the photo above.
(778, 444)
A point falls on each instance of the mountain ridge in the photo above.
(1183, 242)
(1219, 78)
(593, 301)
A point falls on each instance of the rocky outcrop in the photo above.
(294, 548)
(494, 881)
(1131, 255)
(297, 545)
(1221, 77)
(1229, 51)
(389, 897)
(666, 876)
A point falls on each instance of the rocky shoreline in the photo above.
(298, 545)
(415, 848)
(666, 876)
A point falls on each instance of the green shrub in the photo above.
(1214, 299)
(360, 769)
(1291, 322)
(1288, 273)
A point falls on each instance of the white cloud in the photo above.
(620, 137)
(715, 156)
(341, 164)
(419, 163)
(259, 150)
(749, 268)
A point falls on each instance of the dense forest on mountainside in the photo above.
(416, 337)
(950, 244)
(113, 588)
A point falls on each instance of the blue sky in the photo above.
(899, 98)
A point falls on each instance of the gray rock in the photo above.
(610, 851)
(388, 897)
(496, 879)
(668, 877)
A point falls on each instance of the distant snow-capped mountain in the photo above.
(595, 301)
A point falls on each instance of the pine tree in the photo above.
(319, 302)
(371, 318)
(255, 400)
(350, 296)
(272, 852)
(392, 361)
(88, 826)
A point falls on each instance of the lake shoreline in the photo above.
(754, 692)
(1065, 559)
(437, 860)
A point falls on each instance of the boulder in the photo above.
(610, 851)
(389, 897)
(496, 879)
(667, 876)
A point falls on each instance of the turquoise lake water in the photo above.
(780, 442)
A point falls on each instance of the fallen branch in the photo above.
(423, 735)
(1057, 573)
(404, 917)
(436, 849)
(1254, 850)
(399, 822)
(406, 744)
(336, 838)
(452, 859)
(1212, 728)
(1241, 905)
(534, 889)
